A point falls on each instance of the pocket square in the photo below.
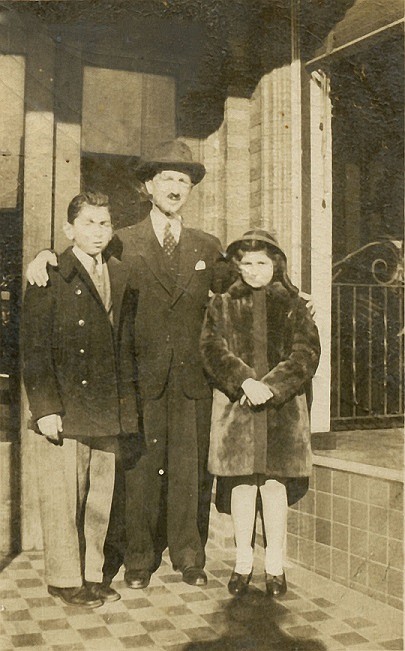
(200, 265)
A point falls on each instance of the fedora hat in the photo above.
(170, 155)
(256, 235)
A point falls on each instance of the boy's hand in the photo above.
(256, 392)
(50, 426)
(36, 270)
(310, 303)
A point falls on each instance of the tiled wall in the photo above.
(349, 527)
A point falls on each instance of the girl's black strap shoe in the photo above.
(238, 583)
(276, 585)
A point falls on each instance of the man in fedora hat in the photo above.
(174, 268)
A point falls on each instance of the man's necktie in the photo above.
(169, 242)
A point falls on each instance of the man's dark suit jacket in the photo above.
(170, 313)
(71, 365)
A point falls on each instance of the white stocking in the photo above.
(243, 512)
(274, 500)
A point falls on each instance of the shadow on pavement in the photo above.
(252, 623)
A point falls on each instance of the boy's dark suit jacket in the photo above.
(71, 366)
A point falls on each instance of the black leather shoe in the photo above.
(137, 579)
(81, 597)
(276, 585)
(103, 591)
(238, 583)
(194, 576)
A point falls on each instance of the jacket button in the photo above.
(84, 383)
(168, 338)
(81, 323)
(78, 291)
(81, 351)
(161, 471)
(154, 441)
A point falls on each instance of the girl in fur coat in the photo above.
(261, 348)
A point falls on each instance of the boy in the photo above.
(81, 397)
(168, 493)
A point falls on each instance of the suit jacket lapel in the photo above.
(187, 259)
(69, 265)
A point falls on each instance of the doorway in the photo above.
(124, 115)
(115, 176)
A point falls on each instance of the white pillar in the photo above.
(321, 242)
(295, 260)
(213, 157)
(276, 168)
(237, 170)
(38, 190)
(221, 204)
(276, 209)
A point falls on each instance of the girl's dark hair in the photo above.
(280, 263)
(86, 198)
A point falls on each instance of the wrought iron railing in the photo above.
(368, 337)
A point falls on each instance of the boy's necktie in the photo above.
(99, 280)
(169, 242)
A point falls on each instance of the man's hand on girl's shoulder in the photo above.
(309, 302)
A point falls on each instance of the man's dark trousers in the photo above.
(174, 506)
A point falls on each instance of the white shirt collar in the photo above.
(88, 260)
(159, 221)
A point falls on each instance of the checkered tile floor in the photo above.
(315, 615)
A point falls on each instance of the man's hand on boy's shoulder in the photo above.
(37, 273)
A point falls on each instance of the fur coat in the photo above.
(270, 335)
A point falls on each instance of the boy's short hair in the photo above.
(91, 198)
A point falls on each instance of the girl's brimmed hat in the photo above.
(256, 235)
(170, 155)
